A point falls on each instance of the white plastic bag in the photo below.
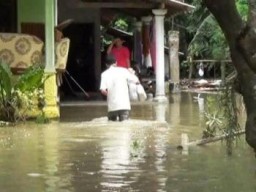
(133, 92)
(141, 92)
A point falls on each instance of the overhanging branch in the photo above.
(252, 12)
(226, 14)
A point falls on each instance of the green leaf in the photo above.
(5, 80)
(31, 79)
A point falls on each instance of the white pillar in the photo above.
(159, 28)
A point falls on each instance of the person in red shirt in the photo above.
(120, 52)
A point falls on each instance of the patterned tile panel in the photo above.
(61, 53)
(20, 50)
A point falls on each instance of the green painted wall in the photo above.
(31, 11)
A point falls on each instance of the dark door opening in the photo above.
(8, 16)
(80, 63)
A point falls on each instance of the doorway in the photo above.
(80, 63)
(8, 16)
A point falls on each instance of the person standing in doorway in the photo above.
(114, 85)
(120, 52)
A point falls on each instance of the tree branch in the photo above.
(247, 38)
(226, 14)
(252, 12)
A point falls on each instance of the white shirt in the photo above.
(115, 81)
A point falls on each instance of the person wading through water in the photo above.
(114, 85)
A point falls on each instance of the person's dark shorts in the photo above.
(120, 115)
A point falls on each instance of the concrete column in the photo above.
(137, 45)
(49, 36)
(173, 41)
(147, 61)
(56, 12)
(159, 28)
(51, 109)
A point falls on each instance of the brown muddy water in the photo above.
(85, 153)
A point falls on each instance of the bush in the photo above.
(17, 94)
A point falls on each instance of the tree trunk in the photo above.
(241, 38)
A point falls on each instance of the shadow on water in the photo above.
(84, 152)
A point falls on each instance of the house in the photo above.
(87, 17)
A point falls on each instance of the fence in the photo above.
(212, 68)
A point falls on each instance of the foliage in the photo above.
(223, 120)
(137, 147)
(203, 35)
(208, 41)
(17, 94)
(214, 122)
(227, 100)
(42, 119)
(242, 7)
(121, 22)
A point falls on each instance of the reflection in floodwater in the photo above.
(160, 112)
(200, 101)
(136, 155)
(114, 160)
(175, 109)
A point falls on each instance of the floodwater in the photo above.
(139, 155)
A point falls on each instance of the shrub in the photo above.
(18, 93)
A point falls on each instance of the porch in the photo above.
(85, 61)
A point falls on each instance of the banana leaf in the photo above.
(31, 79)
